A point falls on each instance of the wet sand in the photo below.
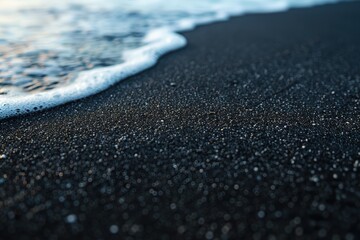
(250, 132)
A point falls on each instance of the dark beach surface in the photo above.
(251, 131)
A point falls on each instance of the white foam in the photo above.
(157, 42)
(94, 81)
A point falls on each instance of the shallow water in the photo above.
(47, 47)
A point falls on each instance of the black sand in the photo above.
(251, 131)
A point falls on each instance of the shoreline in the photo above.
(87, 83)
(251, 131)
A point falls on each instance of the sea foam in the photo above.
(155, 41)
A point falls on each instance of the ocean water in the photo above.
(53, 52)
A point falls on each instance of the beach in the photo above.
(252, 131)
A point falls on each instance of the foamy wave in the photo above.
(156, 43)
